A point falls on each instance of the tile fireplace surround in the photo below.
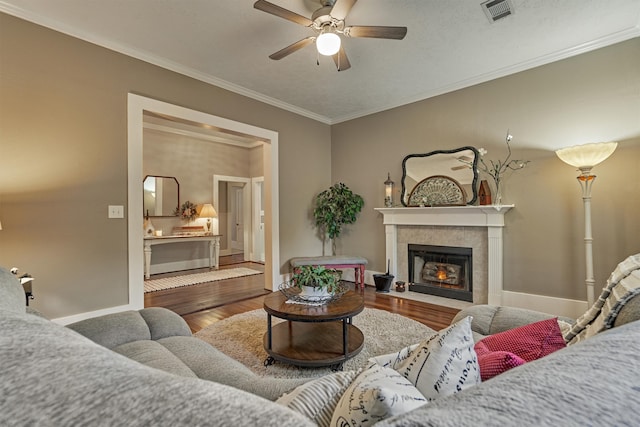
(476, 227)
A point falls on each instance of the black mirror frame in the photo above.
(474, 167)
(177, 191)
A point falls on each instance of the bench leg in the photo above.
(360, 276)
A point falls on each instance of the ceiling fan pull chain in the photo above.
(317, 58)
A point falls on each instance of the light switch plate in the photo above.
(116, 211)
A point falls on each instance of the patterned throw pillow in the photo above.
(494, 363)
(318, 399)
(445, 363)
(377, 393)
(393, 360)
(529, 342)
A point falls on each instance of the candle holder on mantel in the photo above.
(400, 286)
(388, 192)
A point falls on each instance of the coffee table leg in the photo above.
(269, 331)
(344, 337)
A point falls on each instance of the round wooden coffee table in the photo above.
(313, 335)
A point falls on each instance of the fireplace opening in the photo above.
(441, 270)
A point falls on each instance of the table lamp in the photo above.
(208, 212)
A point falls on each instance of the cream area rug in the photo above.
(240, 337)
(152, 285)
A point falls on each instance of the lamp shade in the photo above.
(328, 44)
(587, 155)
(208, 211)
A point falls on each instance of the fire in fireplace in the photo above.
(441, 270)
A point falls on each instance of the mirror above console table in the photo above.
(161, 196)
(440, 178)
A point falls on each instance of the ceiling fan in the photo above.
(328, 24)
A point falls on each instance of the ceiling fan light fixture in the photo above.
(328, 44)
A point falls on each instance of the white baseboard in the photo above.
(552, 305)
(169, 267)
(89, 314)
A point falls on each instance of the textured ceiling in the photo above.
(449, 44)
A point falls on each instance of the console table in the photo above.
(214, 247)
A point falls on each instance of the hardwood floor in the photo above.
(195, 298)
(206, 303)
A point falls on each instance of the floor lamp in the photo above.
(585, 157)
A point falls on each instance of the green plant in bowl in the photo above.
(318, 277)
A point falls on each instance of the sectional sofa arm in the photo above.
(491, 319)
(629, 312)
(115, 329)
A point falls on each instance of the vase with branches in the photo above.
(496, 169)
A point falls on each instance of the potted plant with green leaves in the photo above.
(335, 207)
(316, 280)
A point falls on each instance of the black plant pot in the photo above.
(383, 282)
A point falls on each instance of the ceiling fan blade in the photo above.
(341, 9)
(457, 168)
(396, 33)
(341, 60)
(292, 48)
(276, 10)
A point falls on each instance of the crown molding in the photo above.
(206, 78)
(156, 60)
(608, 40)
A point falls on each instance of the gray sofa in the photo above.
(53, 375)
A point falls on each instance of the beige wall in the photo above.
(193, 162)
(63, 160)
(589, 98)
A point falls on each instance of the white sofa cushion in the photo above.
(445, 363)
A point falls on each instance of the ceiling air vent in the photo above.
(497, 9)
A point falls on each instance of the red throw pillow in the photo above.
(493, 363)
(505, 350)
(530, 342)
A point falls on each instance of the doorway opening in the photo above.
(137, 106)
(241, 216)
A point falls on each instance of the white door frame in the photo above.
(246, 200)
(136, 105)
(257, 247)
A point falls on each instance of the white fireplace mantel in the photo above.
(489, 216)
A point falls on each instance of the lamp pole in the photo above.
(585, 157)
(586, 181)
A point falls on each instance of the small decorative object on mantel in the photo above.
(400, 286)
(187, 211)
(497, 169)
(438, 190)
(484, 193)
(388, 192)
